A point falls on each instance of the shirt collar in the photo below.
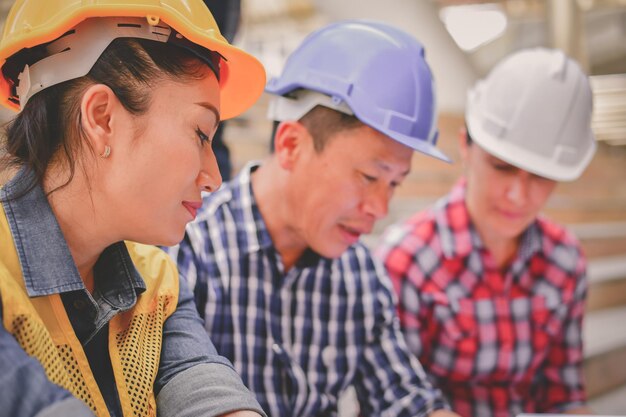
(459, 237)
(246, 211)
(46, 261)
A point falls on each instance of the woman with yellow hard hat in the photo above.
(118, 102)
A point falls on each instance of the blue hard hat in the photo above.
(379, 71)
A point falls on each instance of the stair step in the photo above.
(601, 239)
(613, 402)
(607, 278)
(608, 246)
(604, 331)
(599, 230)
(604, 334)
(607, 269)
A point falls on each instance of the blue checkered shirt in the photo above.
(298, 338)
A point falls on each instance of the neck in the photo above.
(502, 250)
(271, 191)
(78, 217)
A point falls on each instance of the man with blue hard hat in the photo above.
(288, 293)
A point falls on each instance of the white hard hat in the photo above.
(533, 111)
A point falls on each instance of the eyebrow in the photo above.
(211, 108)
(386, 168)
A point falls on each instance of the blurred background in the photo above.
(463, 40)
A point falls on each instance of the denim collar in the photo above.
(46, 261)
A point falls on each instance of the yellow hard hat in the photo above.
(34, 22)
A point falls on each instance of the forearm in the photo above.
(193, 379)
(69, 407)
(207, 390)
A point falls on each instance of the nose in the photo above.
(209, 179)
(376, 202)
(518, 189)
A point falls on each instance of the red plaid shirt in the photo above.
(496, 342)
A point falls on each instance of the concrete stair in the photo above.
(611, 403)
(604, 331)
(607, 276)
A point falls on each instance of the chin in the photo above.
(332, 252)
(165, 239)
(512, 231)
(172, 240)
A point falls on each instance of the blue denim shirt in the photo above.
(211, 384)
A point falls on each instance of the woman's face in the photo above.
(502, 199)
(165, 162)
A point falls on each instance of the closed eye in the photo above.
(500, 166)
(204, 138)
(369, 178)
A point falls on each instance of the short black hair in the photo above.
(323, 123)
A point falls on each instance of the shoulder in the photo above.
(556, 232)
(363, 268)
(152, 263)
(357, 257)
(402, 243)
(561, 246)
(555, 235)
(412, 233)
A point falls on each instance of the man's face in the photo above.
(337, 195)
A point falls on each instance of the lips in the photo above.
(192, 207)
(512, 214)
(352, 234)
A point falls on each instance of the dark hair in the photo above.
(50, 121)
(323, 123)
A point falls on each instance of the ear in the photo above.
(290, 142)
(99, 111)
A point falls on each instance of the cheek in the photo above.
(540, 195)
(480, 192)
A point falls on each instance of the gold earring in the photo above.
(107, 151)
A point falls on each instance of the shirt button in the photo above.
(79, 304)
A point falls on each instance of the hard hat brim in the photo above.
(275, 87)
(243, 76)
(524, 159)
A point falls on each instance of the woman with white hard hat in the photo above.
(118, 102)
(492, 292)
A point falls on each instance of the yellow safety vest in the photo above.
(43, 329)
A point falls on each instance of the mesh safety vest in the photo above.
(43, 329)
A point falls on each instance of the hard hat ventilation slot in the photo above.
(495, 128)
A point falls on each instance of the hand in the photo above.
(443, 413)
